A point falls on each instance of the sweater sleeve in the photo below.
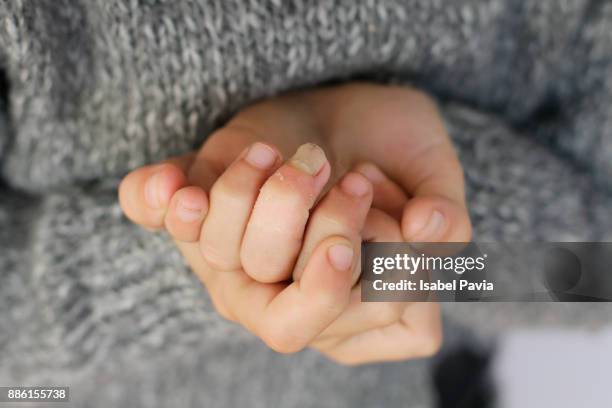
(518, 190)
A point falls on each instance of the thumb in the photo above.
(436, 211)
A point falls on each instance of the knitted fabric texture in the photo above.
(92, 89)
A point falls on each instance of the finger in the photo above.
(388, 196)
(363, 316)
(145, 193)
(231, 201)
(191, 253)
(437, 210)
(429, 168)
(381, 227)
(218, 153)
(435, 219)
(419, 334)
(287, 318)
(185, 221)
(185, 214)
(360, 317)
(273, 235)
(342, 211)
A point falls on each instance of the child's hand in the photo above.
(262, 234)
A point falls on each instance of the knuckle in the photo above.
(214, 258)
(330, 219)
(228, 192)
(260, 259)
(174, 172)
(252, 268)
(387, 314)
(169, 167)
(282, 341)
(337, 219)
(331, 303)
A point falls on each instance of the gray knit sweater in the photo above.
(94, 88)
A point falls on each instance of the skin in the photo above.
(262, 232)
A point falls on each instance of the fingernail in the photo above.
(151, 191)
(261, 156)
(308, 158)
(433, 229)
(340, 256)
(355, 184)
(372, 173)
(189, 210)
